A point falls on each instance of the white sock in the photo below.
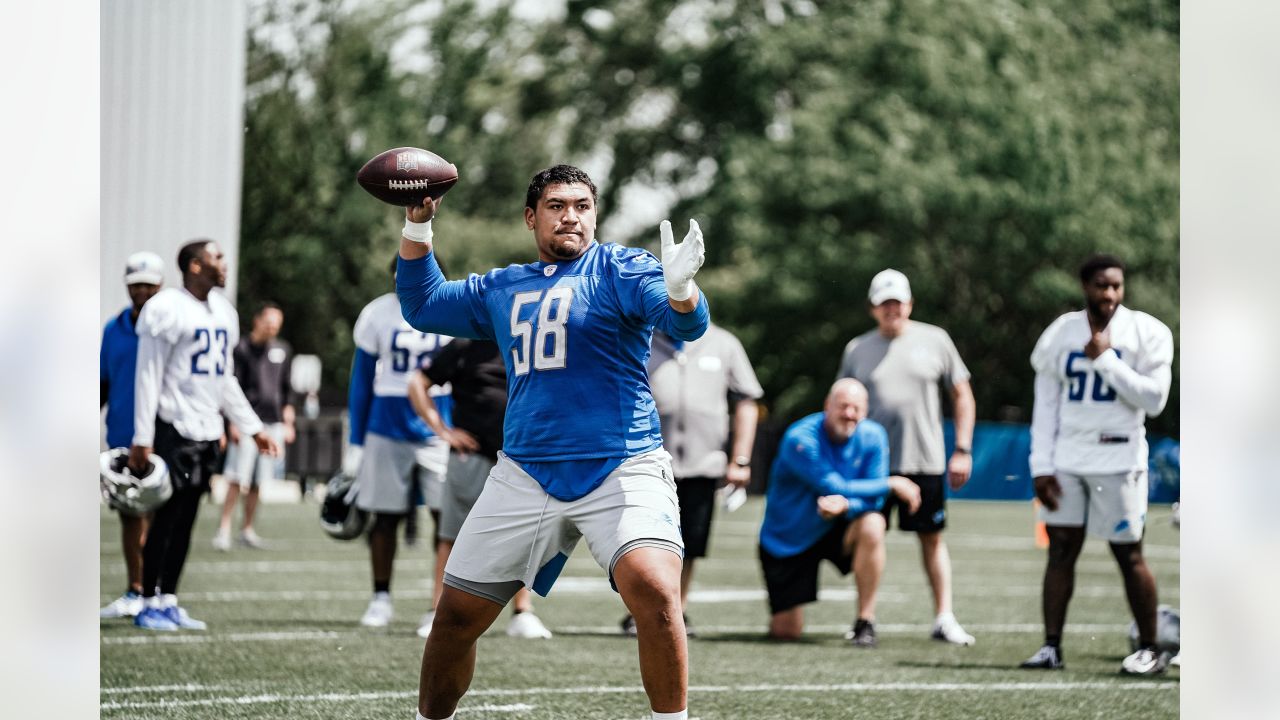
(682, 715)
(424, 717)
(154, 602)
(382, 596)
(168, 600)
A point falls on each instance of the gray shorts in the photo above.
(248, 468)
(388, 468)
(1112, 507)
(517, 532)
(464, 481)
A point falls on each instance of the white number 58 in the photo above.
(549, 343)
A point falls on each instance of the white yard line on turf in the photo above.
(188, 687)
(187, 639)
(519, 692)
(597, 585)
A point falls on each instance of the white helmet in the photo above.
(130, 494)
(339, 516)
(1168, 630)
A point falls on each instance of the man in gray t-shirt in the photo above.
(902, 363)
(698, 386)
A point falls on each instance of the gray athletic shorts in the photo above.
(1112, 506)
(464, 481)
(518, 534)
(246, 467)
(387, 470)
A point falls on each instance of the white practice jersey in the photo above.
(381, 330)
(185, 373)
(1090, 415)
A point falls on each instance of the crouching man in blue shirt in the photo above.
(828, 480)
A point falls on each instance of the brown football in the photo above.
(404, 175)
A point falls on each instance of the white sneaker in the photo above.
(250, 539)
(1145, 662)
(946, 629)
(527, 625)
(1176, 660)
(127, 605)
(424, 628)
(222, 541)
(379, 612)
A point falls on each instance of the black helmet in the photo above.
(339, 516)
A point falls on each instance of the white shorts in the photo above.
(517, 532)
(387, 470)
(1113, 506)
(246, 467)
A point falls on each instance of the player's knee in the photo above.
(386, 523)
(871, 528)
(1128, 555)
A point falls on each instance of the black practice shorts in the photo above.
(697, 500)
(793, 580)
(191, 462)
(932, 515)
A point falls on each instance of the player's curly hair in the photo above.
(1100, 261)
(556, 175)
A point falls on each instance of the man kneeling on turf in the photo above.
(830, 477)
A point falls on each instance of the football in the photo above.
(405, 175)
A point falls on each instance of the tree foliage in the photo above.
(983, 148)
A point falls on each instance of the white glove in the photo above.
(681, 262)
(351, 460)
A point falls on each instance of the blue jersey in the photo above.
(387, 351)
(808, 466)
(575, 339)
(117, 361)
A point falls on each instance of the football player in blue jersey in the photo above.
(118, 360)
(582, 448)
(391, 452)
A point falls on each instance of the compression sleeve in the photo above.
(360, 395)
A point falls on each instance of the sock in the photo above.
(381, 586)
(424, 717)
(168, 600)
(1053, 641)
(154, 602)
(943, 617)
(682, 715)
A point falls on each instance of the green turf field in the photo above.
(284, 641)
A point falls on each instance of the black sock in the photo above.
(1053, 641)
(382, 586)
(516, 611)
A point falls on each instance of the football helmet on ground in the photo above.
(339, 516)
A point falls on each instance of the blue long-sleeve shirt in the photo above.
(575, 339)
(808, 466)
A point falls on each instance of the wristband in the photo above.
(742, 461)
(419, 232)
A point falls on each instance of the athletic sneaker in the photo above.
(250, 539)
(1176, 660)
(127, 605)
(222, 541)
(527, 625)
(946, 629)
(1047, 657)
(379, 612)
(154, 618)
(179, 617)
(863, 634)
(424, 628)
(1147, 661)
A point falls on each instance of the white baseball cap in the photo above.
(889, 285)
(144, 267)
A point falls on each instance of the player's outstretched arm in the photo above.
(415, 239)
(680, 263)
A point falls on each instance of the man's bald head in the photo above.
(845, 407)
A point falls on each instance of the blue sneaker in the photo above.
(180, 619)
(154, 618)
